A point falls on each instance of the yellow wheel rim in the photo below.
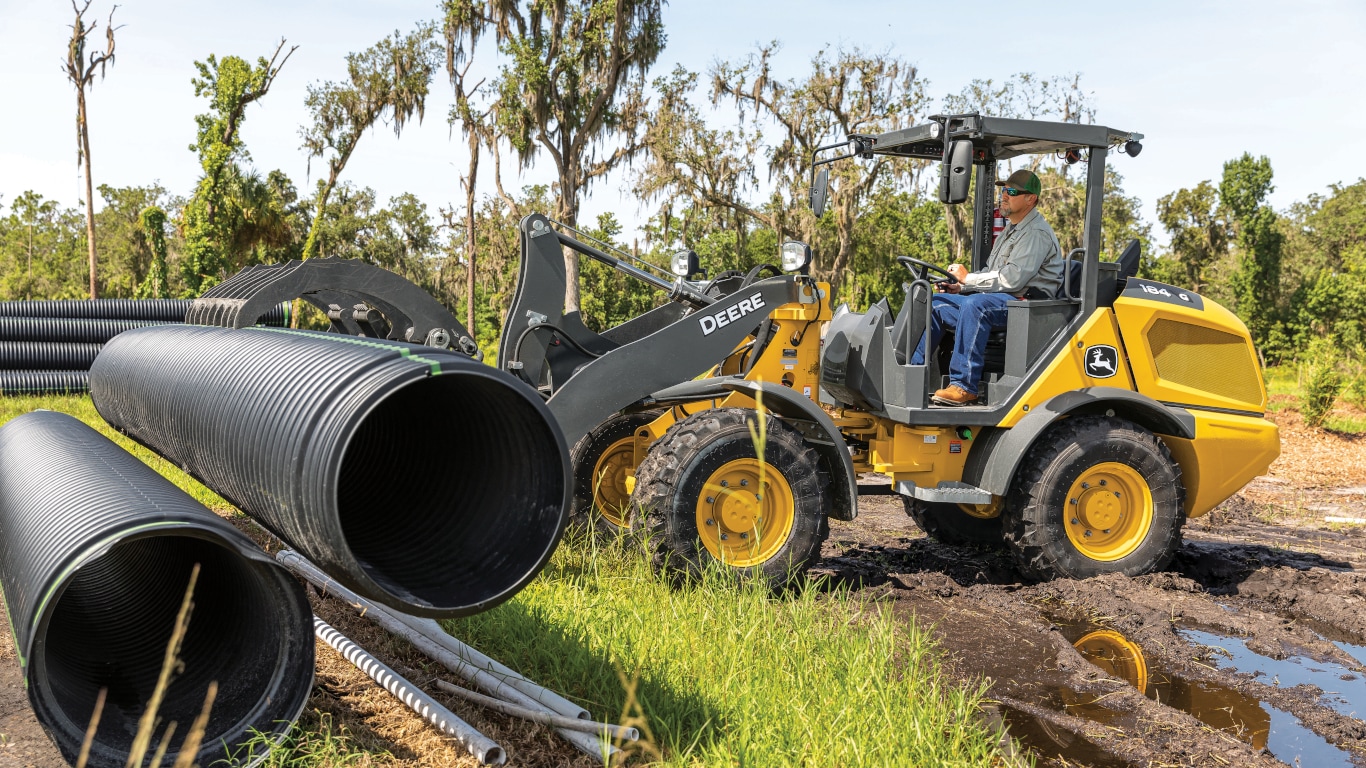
(1117, 655)
(984, 511)
(611, 480)
(1109, 511)
(745, 512)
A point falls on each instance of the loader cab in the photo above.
(866, 360)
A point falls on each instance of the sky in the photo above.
(1204, 82)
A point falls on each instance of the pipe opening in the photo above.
(451, 492)
(111, 624)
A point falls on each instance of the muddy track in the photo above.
(1249, 650)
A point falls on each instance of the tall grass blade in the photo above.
(169, 666)
(84, 756)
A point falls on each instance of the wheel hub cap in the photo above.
(1109, 511)
(745, 512)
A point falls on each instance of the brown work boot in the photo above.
(954, 395)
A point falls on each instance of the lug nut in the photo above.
(744, 482)
(1088, 535)
(1075, 521)
(1107, 530)
(710, 500)
(711, 521)
(725, 484)
(1102, 482)
(744, 535)
(1073, 501)
(1084, 486)
(723, 537)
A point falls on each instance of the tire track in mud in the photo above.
(1250, 650)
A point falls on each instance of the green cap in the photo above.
(1022, 180)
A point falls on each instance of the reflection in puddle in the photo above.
(1341, 686)
(1218, 706)
(1050, 742)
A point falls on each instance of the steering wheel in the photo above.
(922, 269)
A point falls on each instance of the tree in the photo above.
(81, 73)
(851, 92)
(573, 85)
(42, 250)
(388, 79)
(126, 253)
(152, 221)
(1199, 234)
(1256, 283)
(230, 85)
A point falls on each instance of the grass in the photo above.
(1283, 394)
(732, 675)
(719, 674)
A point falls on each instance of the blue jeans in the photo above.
(972, 317)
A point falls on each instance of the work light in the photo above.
(795, 256)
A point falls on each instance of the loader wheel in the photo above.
(603, 459)
(949, 524)
(1095, 495)
(707, 497)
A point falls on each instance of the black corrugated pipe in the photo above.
(96, 330)
(414, 476)
(166, 310)
(47, 355)
(96, 551)
(43, 382)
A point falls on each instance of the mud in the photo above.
(1250, 650)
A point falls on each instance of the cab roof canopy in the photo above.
(1003, 137)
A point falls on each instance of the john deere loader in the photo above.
(735, 420)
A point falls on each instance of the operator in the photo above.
(1025, 263)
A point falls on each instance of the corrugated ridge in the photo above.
(47, 355)
(43, 382)
(167, 310)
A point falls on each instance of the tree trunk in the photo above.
(469, 235)
(569, 214)
(89, 191)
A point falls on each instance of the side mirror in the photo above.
(685, 264)
(955, 173)
(820, 192)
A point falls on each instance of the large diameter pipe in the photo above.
(95, 330)
(165, 310)
(47, 355)
(96, 551)
(415, 476)
(42, 382)
(484, 749)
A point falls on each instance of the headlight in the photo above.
(685, 264)
(795, 256)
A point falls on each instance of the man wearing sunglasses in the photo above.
(1025, 263)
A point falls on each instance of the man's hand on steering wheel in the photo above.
(950, 283)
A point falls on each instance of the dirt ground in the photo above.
(1249, 651)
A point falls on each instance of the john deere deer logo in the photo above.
(1102, 361)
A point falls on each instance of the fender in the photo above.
(992, 462)
(798, 411)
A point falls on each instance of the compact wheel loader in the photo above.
(735, 420)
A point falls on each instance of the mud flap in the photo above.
(801, 413)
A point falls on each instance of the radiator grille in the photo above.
(1206, 359)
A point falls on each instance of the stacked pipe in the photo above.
(48, 346)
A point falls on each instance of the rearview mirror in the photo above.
(955, 173)
(820, 191)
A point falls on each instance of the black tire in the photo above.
(1039, 509)
(672, 482)
(583, 512)
(948, 524)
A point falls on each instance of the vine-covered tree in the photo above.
(230, 85)
(1256, 283)
(1195, 223)
(572, 86)
(152, 221)
(81, 72)
(389, 79)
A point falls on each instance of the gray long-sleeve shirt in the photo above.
(1026, 255)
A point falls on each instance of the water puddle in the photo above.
(1341, 686)
(1218, 706)
(1048, 741)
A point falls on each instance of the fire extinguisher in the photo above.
(998, 223)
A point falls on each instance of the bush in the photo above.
(1321, 382)
(1355, 391)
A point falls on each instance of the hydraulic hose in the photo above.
(47, 356)
(96, 550)
(96, 330)
(165, 310)
(415, 476)
(43, 382)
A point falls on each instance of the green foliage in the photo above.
(1355, 391)
(609, 297)
(211, 240)
(389, 79)
(126, 252)
(1321, 381)
(1256, 283)
(1199, 233)
(43, 251)
(152, 222)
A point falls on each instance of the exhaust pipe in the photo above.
(95, 552)
(414, 476)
